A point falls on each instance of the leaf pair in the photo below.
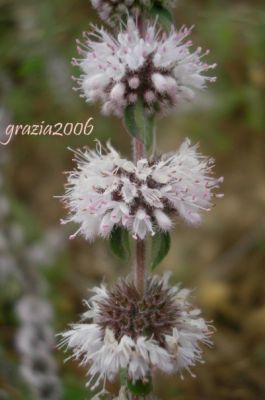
(120, 246)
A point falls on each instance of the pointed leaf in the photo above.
(160, 248)
(140, 124)
(129, 119)
(120, 243)
(163, 14)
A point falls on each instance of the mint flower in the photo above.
(107, 191)
(123, 330)
(158, 69)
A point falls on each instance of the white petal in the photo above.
(163, 221)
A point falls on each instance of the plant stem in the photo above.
(138, 149)
(140, 266)
(139, 269)
(140, 24)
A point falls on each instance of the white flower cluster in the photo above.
(156, 68)
(107, 190)
(35, 342)
(105, 355)
(112, 10)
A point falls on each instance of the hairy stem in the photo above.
(139, 269)
(140, 266)
(140, 24)
(138, 149)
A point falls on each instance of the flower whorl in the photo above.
(158, 69)
(121, 329)
(107, 191)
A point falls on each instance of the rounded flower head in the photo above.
(122, 329)
(159, 69)
(107, 191)
(111, 11)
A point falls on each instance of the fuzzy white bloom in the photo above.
(114, 336)
(108, 191)
(110, 11)
(159, 69)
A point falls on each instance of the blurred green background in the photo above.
(224, 259)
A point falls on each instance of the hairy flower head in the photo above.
(158, 69)
(107, 191)
(121, 329)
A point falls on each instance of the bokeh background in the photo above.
(224, 259)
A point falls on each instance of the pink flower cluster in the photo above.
(107, 191)
(159, 69)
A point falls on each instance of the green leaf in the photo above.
(163, 14)
(160, 248)
(119, 243)
(130, 122)
(140, 388)
(140, 124)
